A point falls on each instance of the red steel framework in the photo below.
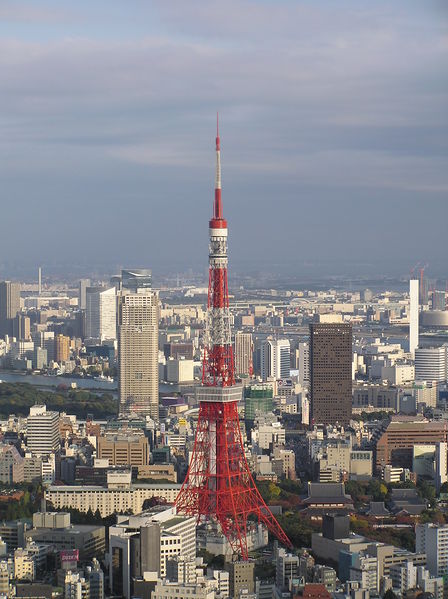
(219, 484)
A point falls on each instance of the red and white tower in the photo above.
(219, 484)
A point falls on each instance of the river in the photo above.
(90, 384)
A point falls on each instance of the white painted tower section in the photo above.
(413, 315)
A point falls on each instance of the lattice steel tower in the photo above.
(219, 484)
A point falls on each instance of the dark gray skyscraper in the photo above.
(9, 306)
(331, 373)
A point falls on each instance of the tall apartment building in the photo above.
(331, 373)
(304, 364)
(413, 314)
(61, 348)
(101, 313)
(82, 292)
(275, 359)
(432, 539)
(138, 354)
(244, 349)
(431, 363)
(9, 306)
(42, 431)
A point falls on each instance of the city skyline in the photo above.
(335, 127)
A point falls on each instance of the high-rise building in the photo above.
(9, 306)
(82, 293)
(133, 279)
(22, 327)
(244, 349)
(138, 353)
(438, 300)
(432, 539)
(275, 359)
(413, 315)
(304, 364)
(42, 431)
(101, 313)
(331, 373)
(61, 348)
(431, 363)
(45, 340)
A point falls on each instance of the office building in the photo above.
(9, 306)
(82, 292)
(394, 446)
(56, 529)
(122, 449)
(275, 359)
(101, 313)
(431, 363)
(331, 373)
(138, 326)
(179, 371)
(241, 577)
(140, 545)
(11, 465)
(61, 348)
(76, 586)
(413, 315)
(45, 340)
(119, 496)
(179, 350)
(42, 431)
(244, 349)
(133, 279)
(258, 399)
(22, 327)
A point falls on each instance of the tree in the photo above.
(389, 594)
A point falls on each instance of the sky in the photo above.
(333, 122)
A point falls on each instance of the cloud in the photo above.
(342, 96)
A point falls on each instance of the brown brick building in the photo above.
(395, 444)
(331, 373)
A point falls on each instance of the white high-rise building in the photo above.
(138, 353)
(101, 313)
(82, 292)
(432, 539)
(275, 359)
(42, 431)
(304, 364)
(413, 315)
(431, 363)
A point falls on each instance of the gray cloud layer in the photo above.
(334, 128)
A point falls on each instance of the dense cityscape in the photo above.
(223, 335)
(149, 452)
